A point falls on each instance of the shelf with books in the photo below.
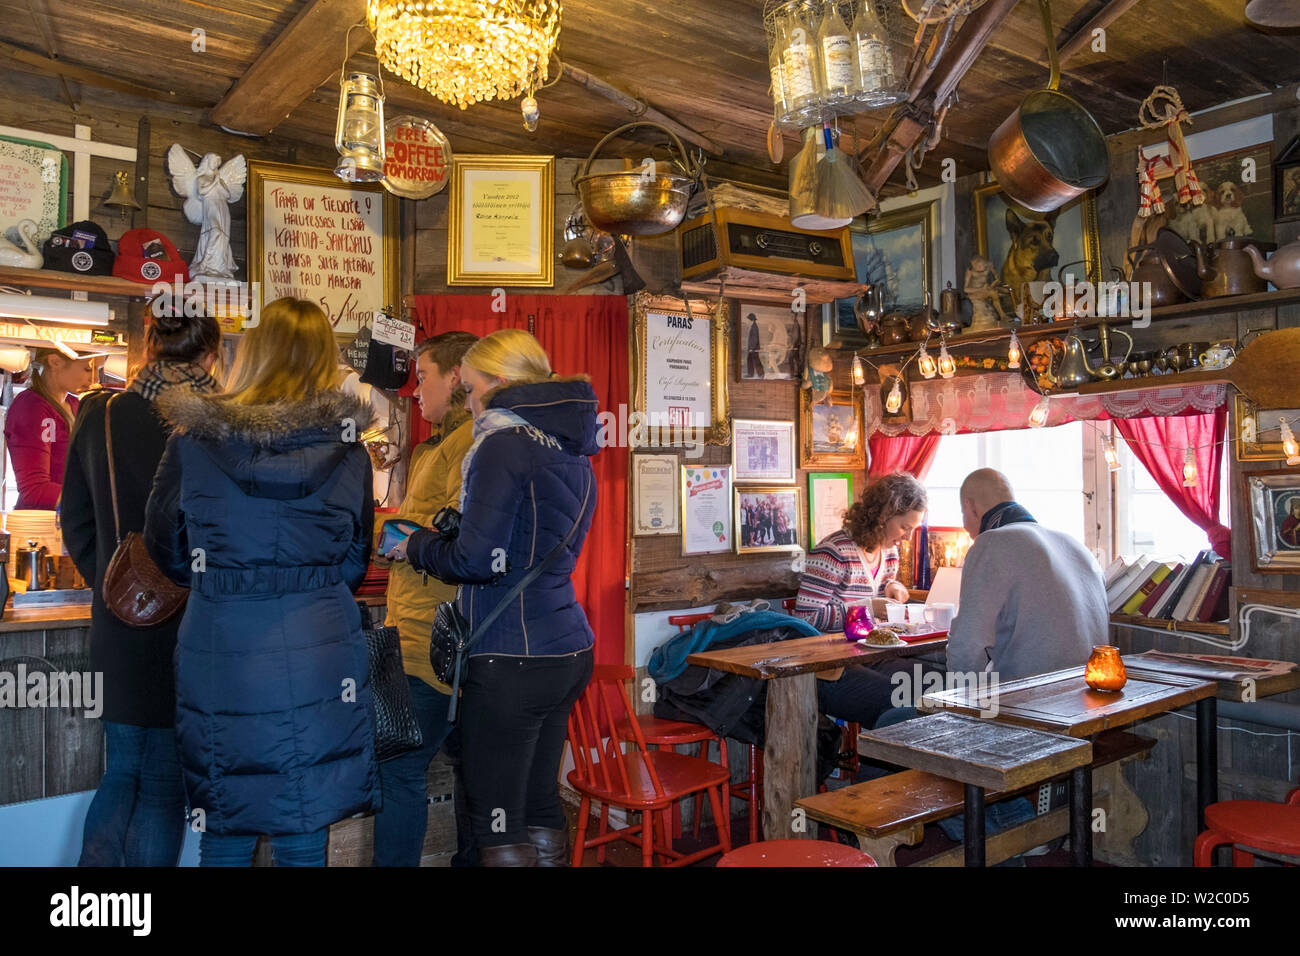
(1217, 628)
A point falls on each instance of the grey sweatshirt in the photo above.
(1032, 600)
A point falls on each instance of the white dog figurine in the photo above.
(1229, 218)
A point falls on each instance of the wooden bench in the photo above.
(892, 811)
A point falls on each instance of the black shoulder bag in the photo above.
(451, 641)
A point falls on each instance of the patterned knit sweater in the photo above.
(834, 576)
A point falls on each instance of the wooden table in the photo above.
(1061, 702)
(983, 755)
(790, 753)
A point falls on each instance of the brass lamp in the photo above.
(359, 134)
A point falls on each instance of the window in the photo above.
(1044, 466)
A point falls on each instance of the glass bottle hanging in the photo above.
(777, 71)
(876, 82)
(835, 44)
(799, 64)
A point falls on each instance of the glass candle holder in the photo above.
(1105, 669)
(857, 622)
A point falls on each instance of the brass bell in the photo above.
(120, 198)
(578, 254)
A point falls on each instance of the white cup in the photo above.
(940, 615)
(916, 613)
(896, 612)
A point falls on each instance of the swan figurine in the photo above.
(24, 256)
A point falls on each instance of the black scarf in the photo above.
(999, 516)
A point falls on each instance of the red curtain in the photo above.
(582, 334)
(1161, 445)
(908, 453)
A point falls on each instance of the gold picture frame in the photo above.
(1087, 250)
(516, 246)
(346, 309)
(718, 431)
(1250, 442)
(787, 539)
(822, 458)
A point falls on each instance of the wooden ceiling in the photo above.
(704, 64)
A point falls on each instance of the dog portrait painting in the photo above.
(1238, 190)
(1026, 246)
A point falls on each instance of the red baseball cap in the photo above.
(146, 255)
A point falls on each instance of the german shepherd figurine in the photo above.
(1032, 256)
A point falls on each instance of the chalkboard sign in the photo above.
(312, 236)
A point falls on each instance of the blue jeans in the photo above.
(400, 824)
(289, 849)
(137, 816)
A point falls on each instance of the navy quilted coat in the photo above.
(525, 488)
(273, 719)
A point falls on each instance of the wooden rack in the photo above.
(69, 282)
(1217, 629)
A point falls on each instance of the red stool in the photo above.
(1250, 825)
(803, 853)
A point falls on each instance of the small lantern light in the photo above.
(1038, 417)
(947, 367)
(1189, 468)
(359, 135)
(1105, 669)
(925, 364)
(531, 113)
(1111, 454)
(1289, 444)
(895, 400)
(1013, 352)
(859, 373)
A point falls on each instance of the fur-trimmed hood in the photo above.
(561, 406)
(282, 450)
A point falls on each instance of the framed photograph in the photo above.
(501, 221)
(762, 450)
(893, 251)
(680, 379)
(767, 519)
(706, 509)
(1234, 200)
(947, 547)
(1020, 243)
(346, 261)
(829, 495)
(656, 487)
(1274, 501)
(1286, 183)
(831, 433)
(769, 345)
(1259, 431)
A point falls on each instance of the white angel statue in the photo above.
(208, 192)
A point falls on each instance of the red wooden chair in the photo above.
(643, 780)
(1250, 825)
(802, 853)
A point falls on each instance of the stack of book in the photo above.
(1191, 591)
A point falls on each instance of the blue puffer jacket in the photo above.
(524, 490)
(273, 718)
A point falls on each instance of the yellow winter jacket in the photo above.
(432, 483)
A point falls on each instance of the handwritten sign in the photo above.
(314, 237)
(31, 186)
(679, 383)
(418, 161)
(393, 331)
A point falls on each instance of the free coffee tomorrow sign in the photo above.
(417, 161)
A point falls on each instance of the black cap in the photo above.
(80, 248)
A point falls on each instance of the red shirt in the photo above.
(38, 461)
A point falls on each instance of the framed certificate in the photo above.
(655, 488)
(680, 369)
(762, 450)
(829, 496)
(500, 229)
(706, 509)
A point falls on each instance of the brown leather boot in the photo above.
(552, 845)
(512, 854)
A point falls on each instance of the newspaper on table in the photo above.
(1208, 666)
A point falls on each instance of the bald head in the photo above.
(982, 489)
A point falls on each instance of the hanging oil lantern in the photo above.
(359, 134)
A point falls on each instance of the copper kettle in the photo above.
(1225, 267)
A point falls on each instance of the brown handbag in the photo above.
(135, 589)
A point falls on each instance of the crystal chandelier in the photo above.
(463, 51)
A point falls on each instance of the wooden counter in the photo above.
(43, 618)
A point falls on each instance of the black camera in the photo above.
(447, 523)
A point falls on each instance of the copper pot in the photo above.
(1225, 267)
(1050, 150)
(895, 329)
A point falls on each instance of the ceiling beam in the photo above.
(300, 60)
(638, 108)
(1099, 21)
(53, 67)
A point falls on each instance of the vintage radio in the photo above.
(765, 243)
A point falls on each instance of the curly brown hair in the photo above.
(888, 497)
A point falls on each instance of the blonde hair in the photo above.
(37, 383)
(289, 355)
(510, 354)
